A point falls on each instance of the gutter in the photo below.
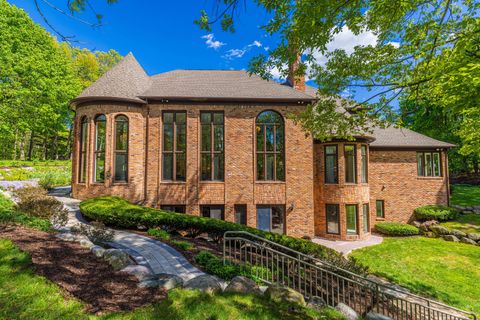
(147, 129)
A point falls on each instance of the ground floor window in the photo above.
(352, 223)
(380, 206)
(333, 218)
(366, 218)
(241, 214)
(271, 218)
(173, 207)
(213, 211)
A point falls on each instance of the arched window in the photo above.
(270, 139)
(121, 148)
(100, 138)
(82, 172)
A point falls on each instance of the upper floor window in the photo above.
(82, 173)
(364, 162)
(331, 164)
(429, 164)
(270, 137)
(350, 164)
(100, 139)
(174, 145)
(212, 152)
(121, 148)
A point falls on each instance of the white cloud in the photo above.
(255, 43)
(211, 42)
(235, 53)
(394, 44)
(267, 48)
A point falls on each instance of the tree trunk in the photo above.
(30, 146)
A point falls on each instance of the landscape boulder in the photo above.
(169, 281)
(450, 237)
(97, 251)
(241, 284)
(316, 303)
(283, 294)
(151, 283)
(474, 236)
(87, 243)
(140, 272)
(457, 233)
(117, 258)
(467, 241)
(440, 230)
(348, 312)
(204, 283)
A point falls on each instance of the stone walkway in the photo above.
(156, 255)
(345, 247)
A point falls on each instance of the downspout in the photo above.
(145, 167)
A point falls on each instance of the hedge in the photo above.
(435, 212)
(396, 229)
(118, 212)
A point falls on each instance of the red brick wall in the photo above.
(394, 179)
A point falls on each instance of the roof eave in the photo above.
(416, 147)
(75, 102)
(225, 99)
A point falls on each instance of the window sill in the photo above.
(212, 182)
(120, 183)
(173, 182)
(269, 182)
(380, 219)
(429, 178)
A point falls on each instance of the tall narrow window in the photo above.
(366, 218)
(270, 146)
(212, 162)
(429, 164)
(350, 164)
(333, 218)
(174, 146)
(240, 213)
(331, 164)
(121, 148)
(364, 164)
(82, 172)
(352, 225)
(100, 138)
(380, 206)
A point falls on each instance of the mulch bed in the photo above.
(80, 273)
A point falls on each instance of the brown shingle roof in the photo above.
(395, 137)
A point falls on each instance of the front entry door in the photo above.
(264, 218)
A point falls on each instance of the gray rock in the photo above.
(458, 233)
(118, 259)
(86, 243)
(348, 312)
(169, 281)
(416, 224)
(474, 236)
(152, 283)
(450, 237)
(243, 285)
(316, 303)
(440, 230)
(467, 241)
(283, 294)
(205, 283)
(66, 236)
(376, 316)
(140, 272)
(97, 251)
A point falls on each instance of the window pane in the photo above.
(350, 168)
(279, 139)
(260, 138)
(269, 117)
(436, 164)
(206, 166)
(333, 218)
(167, 166)
(269, 138)
(260, 167)
(218, 167)
(331, 149)
(366, 218)
(121, 133)
(270, 167)
(173, 208)
(168, 137)
(380, 208)
(205, 117)
(168, 117)
(215, 212)
(241, 214)
(121, 167)
(218, 118)
(331, 170)
(206, 137)
(84, 136)
(428, 164)
(100, 167)
(101, 136)
(181, 138)
(351, 218)
(280, 167)
(420, 165)
(180, 166)
(364, 164)
(263, 218)
(278, 218)
(218, 137)
(180, 117)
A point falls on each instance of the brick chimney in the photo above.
(297, 81)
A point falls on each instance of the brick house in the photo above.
(218, 143)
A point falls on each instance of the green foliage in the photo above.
(9, 215)
(440, 269)
(159, 233)
(435, 212)
(115, 211)
(49, 174)
(468, 223)
(396, 229)
(465, 195)
(184, 245)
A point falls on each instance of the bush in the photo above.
(115, 211)
(35, 202)
(214, 265)
(396, 229)
(184, 245)
(435, 212)
(9, 215)
(159, 234)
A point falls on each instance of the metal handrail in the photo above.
(376, 289)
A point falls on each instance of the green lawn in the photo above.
(465, 195)
(50, 173)
(469, 223)
(444, 270)
(24, 295)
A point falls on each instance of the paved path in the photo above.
(345, 247)
(158, 256)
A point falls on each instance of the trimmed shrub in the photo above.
(396, 229)
(115, 211)
(435, 212)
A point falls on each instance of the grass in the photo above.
(468, 223)
(24, 295)
(440, 269)
(10, 215)
(49, 173)
(465, 195)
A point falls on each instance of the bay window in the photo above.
(82, 173)
(121, 149)
(350, 164)
(100, 139)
